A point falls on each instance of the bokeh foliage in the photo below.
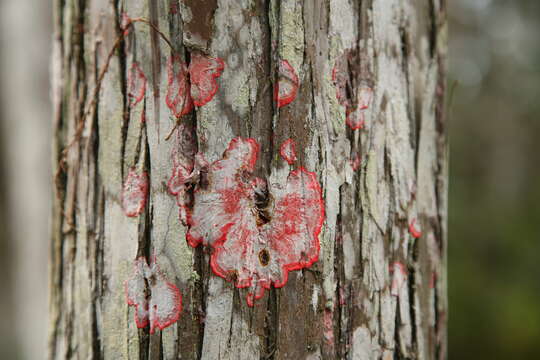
(494, 214)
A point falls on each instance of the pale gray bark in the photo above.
(342, 306)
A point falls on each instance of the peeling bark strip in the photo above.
(376, 288)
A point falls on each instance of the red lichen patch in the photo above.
(134, 193)
(365, 96)
(356, 161)
(256, 242)
(198, 88)
(178, 96)
(355, 119)
(286, 87)
(136, 84)
(157, 301)
(135, 289)
(203, 72)
(399, 278)
(412, 230)
(288, 151)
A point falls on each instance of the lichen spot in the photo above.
(286, 88)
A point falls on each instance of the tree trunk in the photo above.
(350, 303)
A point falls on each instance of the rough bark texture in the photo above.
(340, 308)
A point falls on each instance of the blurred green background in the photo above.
(494, 214)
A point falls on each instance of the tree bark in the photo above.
(342, 307)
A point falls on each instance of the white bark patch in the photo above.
(401, 155)
(343, 17)
(388, 319)
(427, 152)
(315, 297)
(362, 345)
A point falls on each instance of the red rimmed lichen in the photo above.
(193, 85)
(412, 230)
(178, 97)
(134, 192)
(157, 302)
(286, 88)
(354, 118)
(203, 72)
(136, 84)
(258, 232)
(288, 151)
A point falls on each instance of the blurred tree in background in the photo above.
(494, 221)
(25, 187)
